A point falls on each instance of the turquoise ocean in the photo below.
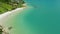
(42, 18)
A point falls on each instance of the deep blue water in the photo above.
(43, 18)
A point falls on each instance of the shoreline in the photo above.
(9, 13)
(5, 16)
(12, 11)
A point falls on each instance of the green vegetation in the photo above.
(7, 5)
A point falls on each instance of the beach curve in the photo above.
(8, 14)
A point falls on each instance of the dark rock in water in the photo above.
(10, 28)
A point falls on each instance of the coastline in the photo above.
(6, 19)
(5, 16)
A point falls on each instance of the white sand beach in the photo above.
(8, 14)
(5, 16)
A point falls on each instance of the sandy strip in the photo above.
(13, 11)
(8, 14)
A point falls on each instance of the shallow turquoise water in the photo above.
(43, 18)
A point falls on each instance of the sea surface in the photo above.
(42, 18)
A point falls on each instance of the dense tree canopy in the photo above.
(4, 0)
(6, 5)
